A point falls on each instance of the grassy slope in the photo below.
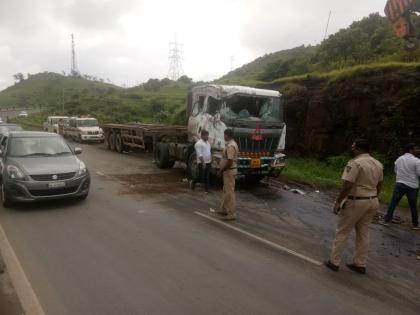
(108, 102)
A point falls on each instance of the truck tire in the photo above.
(112, 141)
(119, 145)
(106, 141)
(162, 157)
(192, 167)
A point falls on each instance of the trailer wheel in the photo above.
(162, 157)
(106, 141)
(192, 167)
(119, 146)
(112, 141)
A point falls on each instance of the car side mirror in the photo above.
(77, 151)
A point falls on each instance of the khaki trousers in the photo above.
(229, 200)
(357, 214)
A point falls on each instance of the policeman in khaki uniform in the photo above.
(356, 206)
(229, 171)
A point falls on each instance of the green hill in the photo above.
(370, 40)
(153, 101)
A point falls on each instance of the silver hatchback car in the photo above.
(40, 166)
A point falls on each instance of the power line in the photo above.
(175, 61)
(328, 25)
(74, 70)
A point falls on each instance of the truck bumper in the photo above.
(92, 137)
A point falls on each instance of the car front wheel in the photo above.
(4, 198)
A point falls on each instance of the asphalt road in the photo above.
(9, 113)
(138, 246)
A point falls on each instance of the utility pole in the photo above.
(175, 64)
(328, 25)
(74, 71)
(62, 101)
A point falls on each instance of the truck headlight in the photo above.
(280, 160)
(14, 172)
(82, 169)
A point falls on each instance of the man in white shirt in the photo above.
(203, 151)
(407, 169)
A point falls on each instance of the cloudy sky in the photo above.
(127, 41)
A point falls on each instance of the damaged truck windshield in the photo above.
(266, 109)
(246, 107)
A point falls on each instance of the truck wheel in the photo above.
(162, 157)
(119, 146)
(106, 141)
(192, 167)
(112, 141)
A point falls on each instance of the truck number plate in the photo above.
(255, 163)
(56, 185)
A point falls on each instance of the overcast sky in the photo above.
(127, 41)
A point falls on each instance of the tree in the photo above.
(18, 77)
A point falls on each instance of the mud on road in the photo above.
(302, 222)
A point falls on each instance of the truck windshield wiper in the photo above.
(62, 153)
(36, 154)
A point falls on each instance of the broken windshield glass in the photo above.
(264, 109)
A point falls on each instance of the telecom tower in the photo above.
(74, 71)
(175, 64)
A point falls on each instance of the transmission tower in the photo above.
(175, 64)
(74, 71)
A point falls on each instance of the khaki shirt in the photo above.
(365, 173)
(231, 153)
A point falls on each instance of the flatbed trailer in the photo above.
(168, 143)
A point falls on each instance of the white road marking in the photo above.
(260, 239)
(99, 173)
(24, 290)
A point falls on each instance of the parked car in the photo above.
(53, 122)
(40, 166)
(23, 114)
(83, 129)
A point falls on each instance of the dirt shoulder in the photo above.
(9, 301)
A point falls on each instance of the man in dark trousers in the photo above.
(407, 170)
(356, 206)
(203, 151)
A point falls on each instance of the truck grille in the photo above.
(53, 191)
(267, 144)
(93, 132)
(51, 177)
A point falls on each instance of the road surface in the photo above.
(10, 113)
(142, 243)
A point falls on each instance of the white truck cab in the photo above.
(84, 129)
(52, 123)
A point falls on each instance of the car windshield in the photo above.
(87, 123)
(265, 109)
(42, 146)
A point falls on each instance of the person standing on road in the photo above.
(356, 206)
(203, 151)
(229, 171)
(407, 170)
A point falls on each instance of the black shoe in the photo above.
(358, 269)
(330, 265)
